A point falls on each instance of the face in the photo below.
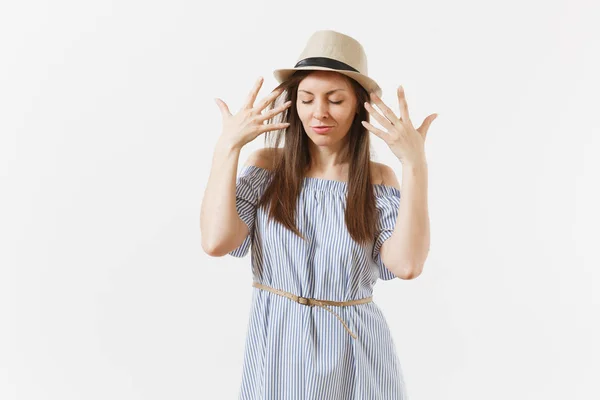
(326, 99)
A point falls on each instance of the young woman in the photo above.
(318, 215)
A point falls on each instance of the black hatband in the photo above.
(324, 62)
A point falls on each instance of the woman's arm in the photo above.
(406, 250)
(222, 230)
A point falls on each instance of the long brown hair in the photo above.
(290, 165)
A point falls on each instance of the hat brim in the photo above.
(369, 84)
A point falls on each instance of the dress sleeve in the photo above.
(388, 201)
(246, 198)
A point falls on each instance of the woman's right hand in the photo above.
(247, 124)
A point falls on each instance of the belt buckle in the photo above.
(303, 301)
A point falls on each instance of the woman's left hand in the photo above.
(406, 142)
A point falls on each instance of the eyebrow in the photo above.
(331, 91)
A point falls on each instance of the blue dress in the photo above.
(296, 352)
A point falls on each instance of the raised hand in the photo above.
(248, 123)
(406, 142)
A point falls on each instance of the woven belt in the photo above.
(314, 302)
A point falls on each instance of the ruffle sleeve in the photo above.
(247, 188)
(388, 201)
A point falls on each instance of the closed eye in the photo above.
(332, 102)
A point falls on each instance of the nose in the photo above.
(321, 110)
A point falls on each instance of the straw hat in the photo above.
(329, 50)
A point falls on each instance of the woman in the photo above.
(318, 214)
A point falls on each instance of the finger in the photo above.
(403, 105)
(376, 131)
(223, 107)
(275, 111)
(380, 118)
(389, 114)
(253, 93)
(272, 127)
(268, 100)
(424, 128)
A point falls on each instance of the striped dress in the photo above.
(296, 352)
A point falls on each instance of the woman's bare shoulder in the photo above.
(387, 176)
(376, 175)
(263, 157)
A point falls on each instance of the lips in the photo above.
(321, 129)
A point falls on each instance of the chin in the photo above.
(324, 140)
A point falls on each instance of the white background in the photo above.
(108, 125)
